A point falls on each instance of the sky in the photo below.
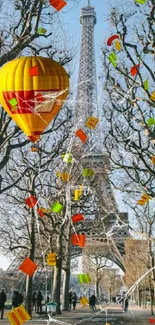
(71, 23)
(69, 20)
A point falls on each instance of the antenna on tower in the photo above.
(88, 3)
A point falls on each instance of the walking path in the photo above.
(109, 314)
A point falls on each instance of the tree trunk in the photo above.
(150, 265)
(110, 293)
(52, 281)
(97, 289)
(97, 285)
(151, 294)
(65, 303)
(139, 297)
(57, 286)
(66, 280)
(29, 280)
(57, 272)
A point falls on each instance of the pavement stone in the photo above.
(111, 314)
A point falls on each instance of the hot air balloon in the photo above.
(32, 91)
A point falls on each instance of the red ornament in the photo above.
(28, 266)
(58, 4)
(134, 70)
(111, 39)
(78, 240)
(82, 136)
(77, 217)
(31, 201)
(40, 212)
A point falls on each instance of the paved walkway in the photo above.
(112, 315)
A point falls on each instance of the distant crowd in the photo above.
(37, 298)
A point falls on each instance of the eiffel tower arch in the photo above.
(108, 222)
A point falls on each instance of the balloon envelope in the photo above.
(32, 91)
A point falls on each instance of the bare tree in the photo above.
(20, 36)
(129, 105)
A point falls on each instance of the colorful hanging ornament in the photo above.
(134, 69)
(31, 201)
(77, 217)
(142, 2)
(81, 135)
(51, 259)
(92, 122)
(87, 172)
(117, 46)
(65, 177)
(153, 96)
(146, 84)
(78, 240)
(34, 148)
(83, 301)
(113, 58)
(141, 202)
(151, 320)
(111, 39)
(40, 212)
(18, 315)
(78, 193)
(28, 266)
(45, 210)
(58, 4)
(67, 157)
(57, 207)
(84, 278)
(146, 197)
(151, 121)
(41, 31)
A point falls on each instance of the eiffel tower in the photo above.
(86, 106)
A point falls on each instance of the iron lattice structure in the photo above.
(87, 89)
(115, 223)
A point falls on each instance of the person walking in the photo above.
(34, 301)
(125, 302)
(3, 299)
(70, 299)
(20, 299)
(39, 302)
(93, 302)
(74, 300)
(15, 299)
(90, 302)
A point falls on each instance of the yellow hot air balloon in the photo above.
(32, 91)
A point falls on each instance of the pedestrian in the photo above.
(90, 302)
(20, 299)
(34, 301)
(93, 302)
(125, 302)
(70, 299)
(74, 300)
(47, 299)
(3, 299)
(15, 299)
(39, 302)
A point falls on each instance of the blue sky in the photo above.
(71, 23)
